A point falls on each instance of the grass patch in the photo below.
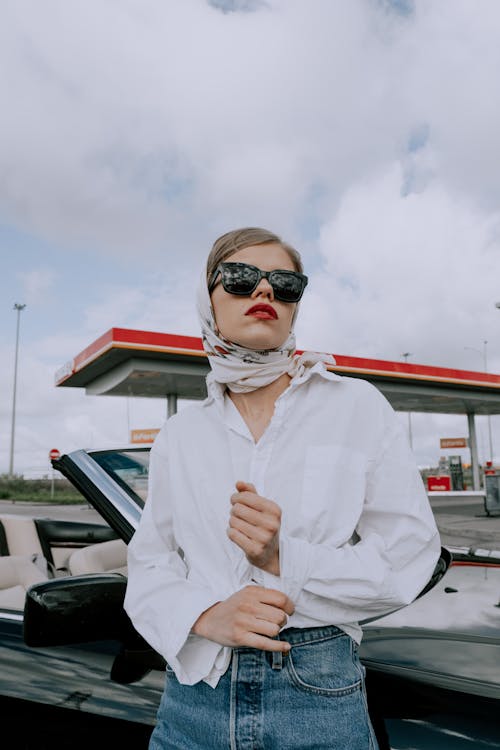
(19, 489)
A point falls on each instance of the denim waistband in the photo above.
(309, 635)
(296, 636)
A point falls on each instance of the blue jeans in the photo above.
(311, 698)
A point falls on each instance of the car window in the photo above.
(129, 468)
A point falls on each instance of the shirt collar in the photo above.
(318, 369)
(215, 391)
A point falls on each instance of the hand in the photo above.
(251, 617)
(254, 525)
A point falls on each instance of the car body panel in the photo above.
(450, 637)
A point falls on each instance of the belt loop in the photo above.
(277, 660)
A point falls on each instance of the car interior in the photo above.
(34, 549)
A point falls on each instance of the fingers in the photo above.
(264, 621)
(277, 617)
(254, 526)
(254, 640)
(256, 551)
(258, 533)
(258, 536)
(280, 600)
(272, 597)
(251, 617)
(252, 500)
(243, 541)
(269, 519)
(245, 487)
(261, 554)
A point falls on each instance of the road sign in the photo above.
(143, 436)
(54, 453)
(453, 442)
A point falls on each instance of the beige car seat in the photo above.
(17, 574)
(104, 557)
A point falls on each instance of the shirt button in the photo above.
(258, 576)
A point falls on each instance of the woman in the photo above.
(282, 511)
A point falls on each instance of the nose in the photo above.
(264, 289)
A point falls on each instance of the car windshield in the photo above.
(129, 468)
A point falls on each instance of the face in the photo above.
(258, 321)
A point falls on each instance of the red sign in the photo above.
(54, 453)
(439, 484)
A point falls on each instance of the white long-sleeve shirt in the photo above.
(357, 537)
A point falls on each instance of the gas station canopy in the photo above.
(125, 362)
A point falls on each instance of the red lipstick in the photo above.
(264, 312)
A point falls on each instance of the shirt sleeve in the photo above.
(395, 555)
(161, 602)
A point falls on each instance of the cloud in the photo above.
(37, 285)
(138, 134)
(366, 133)
(406, 272)
(238, 6)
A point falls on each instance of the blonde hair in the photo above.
(237, 239)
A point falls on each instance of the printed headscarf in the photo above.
(242, 369)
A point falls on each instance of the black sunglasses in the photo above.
(241, 278)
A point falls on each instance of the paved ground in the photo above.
(466, 525)
(462, 523)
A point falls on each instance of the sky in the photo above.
(134, 132)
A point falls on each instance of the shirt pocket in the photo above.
(333, 490)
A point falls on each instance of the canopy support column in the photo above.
(473, 450)
(171, 404)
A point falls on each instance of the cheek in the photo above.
(290, 313)
(218, 307)
(225, 312)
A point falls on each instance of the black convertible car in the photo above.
(74, 673)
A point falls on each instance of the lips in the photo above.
(264, 312)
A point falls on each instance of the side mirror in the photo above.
(442, 566)
(81, 609)
(76, 609)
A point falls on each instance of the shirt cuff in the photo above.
(294, 565)
(294, 568)
(191, 656)
(197, 658)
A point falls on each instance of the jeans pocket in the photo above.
(326, 666)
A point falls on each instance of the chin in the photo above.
(260, 344)
(255, 336)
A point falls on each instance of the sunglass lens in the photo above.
(287, 286)
(239, 278)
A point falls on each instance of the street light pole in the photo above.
(19, 308)
(405, 355)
